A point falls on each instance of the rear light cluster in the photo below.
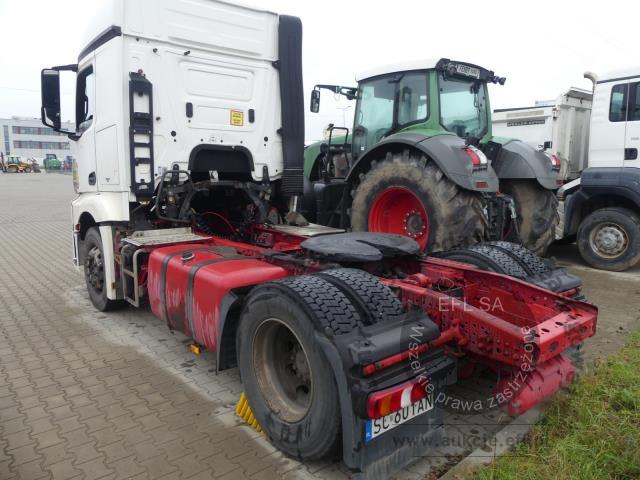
(556, 163)
(384, 402)
(478, 159)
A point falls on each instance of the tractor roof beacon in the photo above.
(189, 143)
(421, 153)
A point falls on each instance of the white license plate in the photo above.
(468, 71)
(376, 427)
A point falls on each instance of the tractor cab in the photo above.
(416, 121)
(427, 97)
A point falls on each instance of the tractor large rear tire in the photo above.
(409, 195)
(537, 210)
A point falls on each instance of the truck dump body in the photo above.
(560, 127)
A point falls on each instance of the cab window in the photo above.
(634, 102)
(85, 99)
(618, 105)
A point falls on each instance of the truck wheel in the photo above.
(288, 381)
(609, 239)
(488, 257)
(373, 299)
(408, 195)
(537, 210)
(534, 264)
(12, 169)
(27, 169)
(94, 274)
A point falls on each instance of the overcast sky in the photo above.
(541, 46)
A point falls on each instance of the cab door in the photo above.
(608, 124)
(632, 136)
(85, 148)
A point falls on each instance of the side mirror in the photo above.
(50, 110)
(315, 101)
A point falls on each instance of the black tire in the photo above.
(374, 300)
(623, 225)
(537, 210)
(300, 305)
(455, 216)
(534, 264)
(488, 257)
(94, 273)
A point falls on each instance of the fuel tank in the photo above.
(191, 287)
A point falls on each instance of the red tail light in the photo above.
(478, 159)
(556, 163)
(384, 402)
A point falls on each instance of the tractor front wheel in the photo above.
(408, 194)
(537, 211)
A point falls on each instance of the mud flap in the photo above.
(382, 456)
(540, 384)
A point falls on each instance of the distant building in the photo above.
(29, 138)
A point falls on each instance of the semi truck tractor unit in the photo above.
(595, 135)
(421, 161)
(189, 158)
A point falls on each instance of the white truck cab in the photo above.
(596, 135)
(198, 90)
(615, 120)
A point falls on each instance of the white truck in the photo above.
(596, 136)
(189, 141)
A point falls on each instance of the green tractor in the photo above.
(51, 162)
(421, 161)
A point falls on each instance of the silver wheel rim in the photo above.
(282, 369)
(94, 269)
(609, 240)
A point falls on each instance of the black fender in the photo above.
(519, 160)
(601, 187)
(445, 150)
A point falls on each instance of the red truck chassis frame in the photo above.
(510, 325)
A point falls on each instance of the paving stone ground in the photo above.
(86, 395)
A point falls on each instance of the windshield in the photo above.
(463, 106)
(387, 104)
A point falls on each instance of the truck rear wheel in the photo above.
(288, 381)
(94, 274)
(373, 299)
(609, 239)
(537, 210)
(409, 195)
(489, 257)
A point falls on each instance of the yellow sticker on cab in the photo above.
(237, 118)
